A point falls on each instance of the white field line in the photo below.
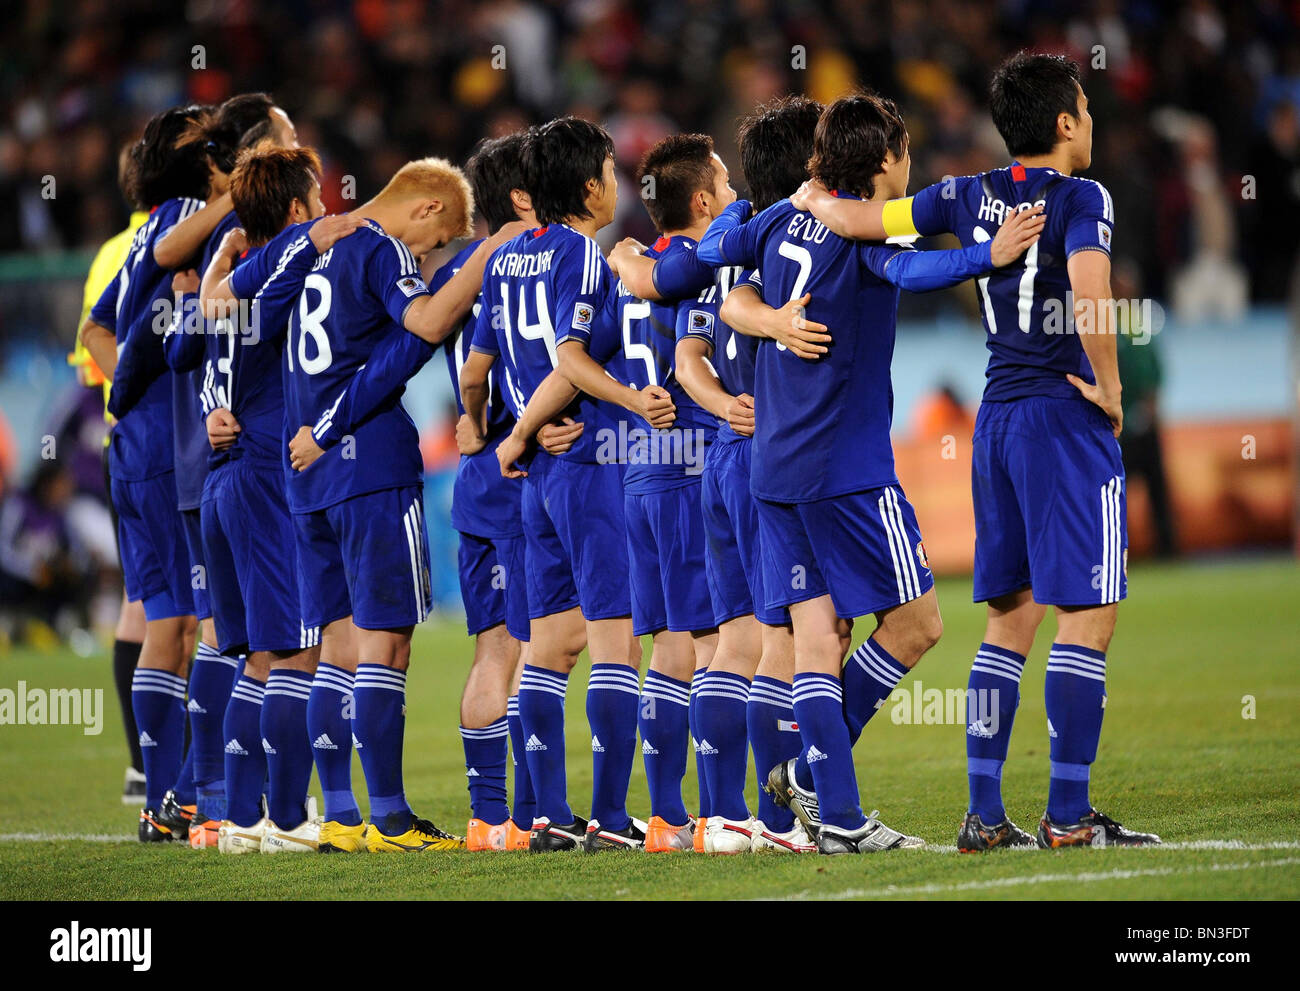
(1086, 877)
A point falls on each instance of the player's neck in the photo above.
(1058, 158)
(382, 213)
(695, 232)
(583, 225)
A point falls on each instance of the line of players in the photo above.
(683, 452)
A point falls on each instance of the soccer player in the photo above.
(755, 645)
(247, 529)
(1046, 475)
(839, 538)
(171, 173)
(542, 295)
(687, 186)
(238, 123)
(129, 634)
(358, 506)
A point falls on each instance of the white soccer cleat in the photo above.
(728, 835)
(794, 840)
(241, 839)
(304, 838)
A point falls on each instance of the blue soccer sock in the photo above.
(184, 790)
(663, 721)
(379, 722)
(774, 737)
(329, 726)
(612, 694)
(541, 711)
(158, 701)
(819, 708)
(870, 677)
(721, 704)
(212, 678)
(1075, 692)
(244, 758)
(287, 745)
(485, 769)
(524, 806)
(992, 695)
(692, 716)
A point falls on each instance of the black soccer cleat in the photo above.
(1094, 829)
(975, 837)
(175, 816)
(551, 837)
(597, 838)
(152, 829)
(785, 791)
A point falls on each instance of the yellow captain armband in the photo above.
(896, 218)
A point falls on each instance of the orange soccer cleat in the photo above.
(480, 835)
(664, 837)
(516, 838)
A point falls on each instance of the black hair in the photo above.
(1027, 96)
(560, 157)
(169, 160)
(680, 166)
(776, 142)
(495, 168)
(854, 134)
(240, 122)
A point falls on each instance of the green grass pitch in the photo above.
(1198, 646)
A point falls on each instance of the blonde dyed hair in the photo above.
(434, 178)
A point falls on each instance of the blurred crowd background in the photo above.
(1197, 136)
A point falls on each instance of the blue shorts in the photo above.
(248, 539)
(155, 557)
(732, 560)
(665, 545)
(575, 540)
(200, 577)
(367, 557)
(863, 549)
(1051, 509)
(493, 584)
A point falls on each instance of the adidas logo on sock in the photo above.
(980, 728)
(472, 773)
(194, 706)
(695, 744)
(534, 743)
(596, 746)
(355, 742)
(707, 749)
(267, 746)
(1051, 730)
(323, 742)
(815, 755)
(648, 748)
(147, 741)
(233, 747)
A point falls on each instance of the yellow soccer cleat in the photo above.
(482, 835)
(338, 838)
(421, 835)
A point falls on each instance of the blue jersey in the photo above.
(483, 503)
(185, 353)
(541, 288)
(822, 427)
(660, 459)
(1029, 327)
(733, 353)
(352, 301)
(136, 306)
